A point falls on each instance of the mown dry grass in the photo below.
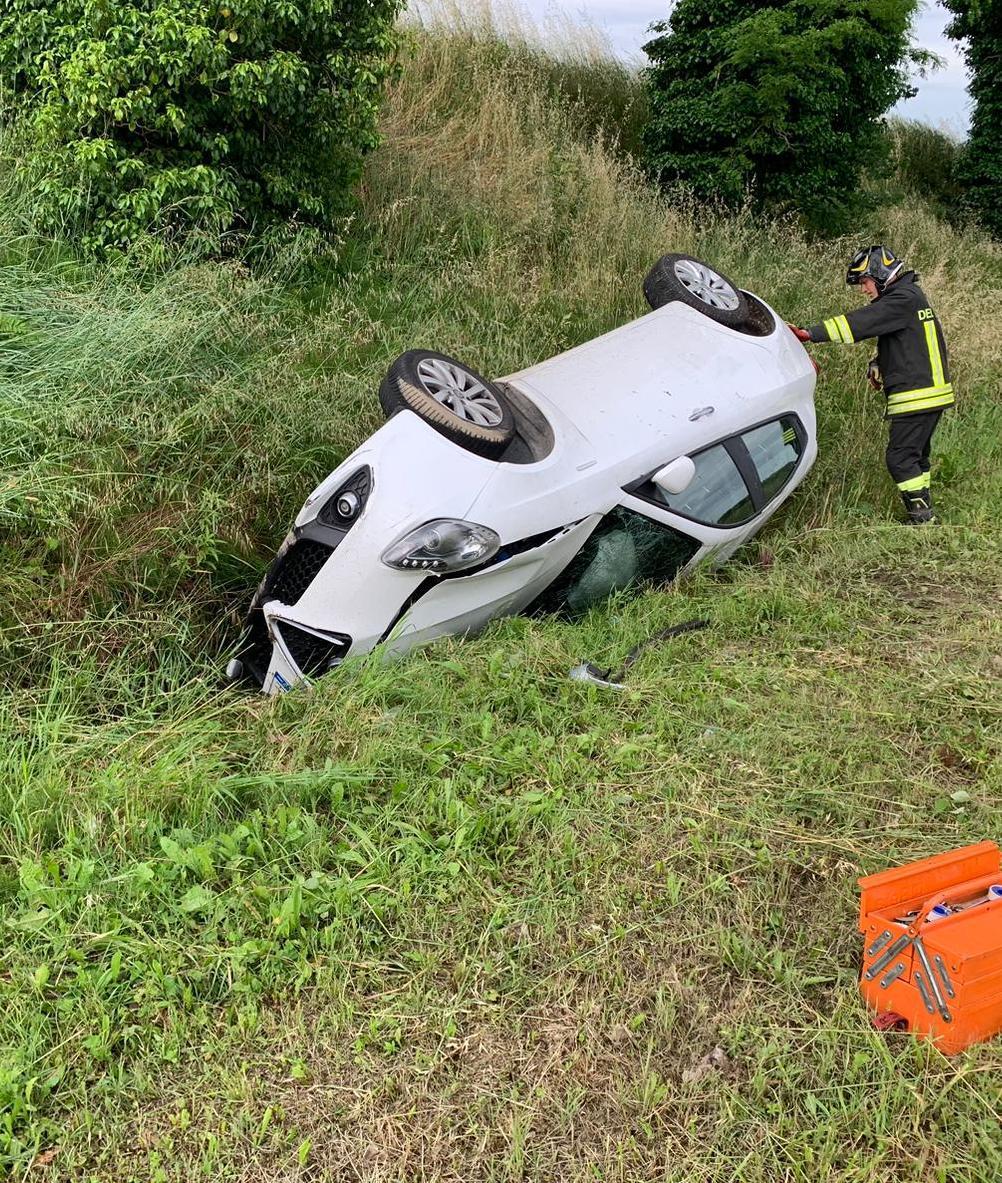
(565, 901)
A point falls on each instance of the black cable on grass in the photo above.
(676, 630)
(589, 672)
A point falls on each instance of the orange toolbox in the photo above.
(932, 952)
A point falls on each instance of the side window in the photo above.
(737, 478)
(775, 450)
(718, 495)
(625, 549)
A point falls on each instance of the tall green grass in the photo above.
(924, 163)
(569, 63)
(461, 918)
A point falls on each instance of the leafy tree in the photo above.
(780, 100)
(163, 114)
(978, 23)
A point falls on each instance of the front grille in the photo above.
(255, 647)
(313, 655)
(296, 569)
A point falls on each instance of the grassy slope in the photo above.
(464, 919)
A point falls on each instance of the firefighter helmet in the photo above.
(876, 263)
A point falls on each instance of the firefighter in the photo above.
(911, 366)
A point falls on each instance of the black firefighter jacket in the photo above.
(911, 349)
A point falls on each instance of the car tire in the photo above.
(693, 282)
(452, 398)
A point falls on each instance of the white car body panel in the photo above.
(620, 407)
(400, 492)
(466, 605)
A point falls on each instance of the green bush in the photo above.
(978, 25)
(782, 102)
(187, 112)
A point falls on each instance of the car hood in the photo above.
(417, 475)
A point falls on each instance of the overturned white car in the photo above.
(617, 464)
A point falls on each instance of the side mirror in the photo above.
(677, 476)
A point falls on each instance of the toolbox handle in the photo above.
(940, 897)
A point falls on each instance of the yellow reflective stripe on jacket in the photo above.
(935, 357)
(926, 399)
(908, 396)
(838, 331)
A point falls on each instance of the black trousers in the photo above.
(908, 444)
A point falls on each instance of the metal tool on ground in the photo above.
(612, 678)
(932, 960)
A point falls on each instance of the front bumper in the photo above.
(284, 646)
(276, 654)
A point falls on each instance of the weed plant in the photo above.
(461, 918)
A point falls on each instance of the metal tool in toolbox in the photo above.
(932, 959)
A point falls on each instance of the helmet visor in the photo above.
(859, 267)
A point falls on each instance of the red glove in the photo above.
(800, 334)
(873, 376)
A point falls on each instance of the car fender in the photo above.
(465, 604)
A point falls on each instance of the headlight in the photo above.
(443, 545)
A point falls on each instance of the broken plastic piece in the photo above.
(586, 672)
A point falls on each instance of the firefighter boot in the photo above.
(918, 507)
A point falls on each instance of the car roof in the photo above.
(656, 377)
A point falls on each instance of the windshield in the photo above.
(626, 549)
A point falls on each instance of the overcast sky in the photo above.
(942, 99)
